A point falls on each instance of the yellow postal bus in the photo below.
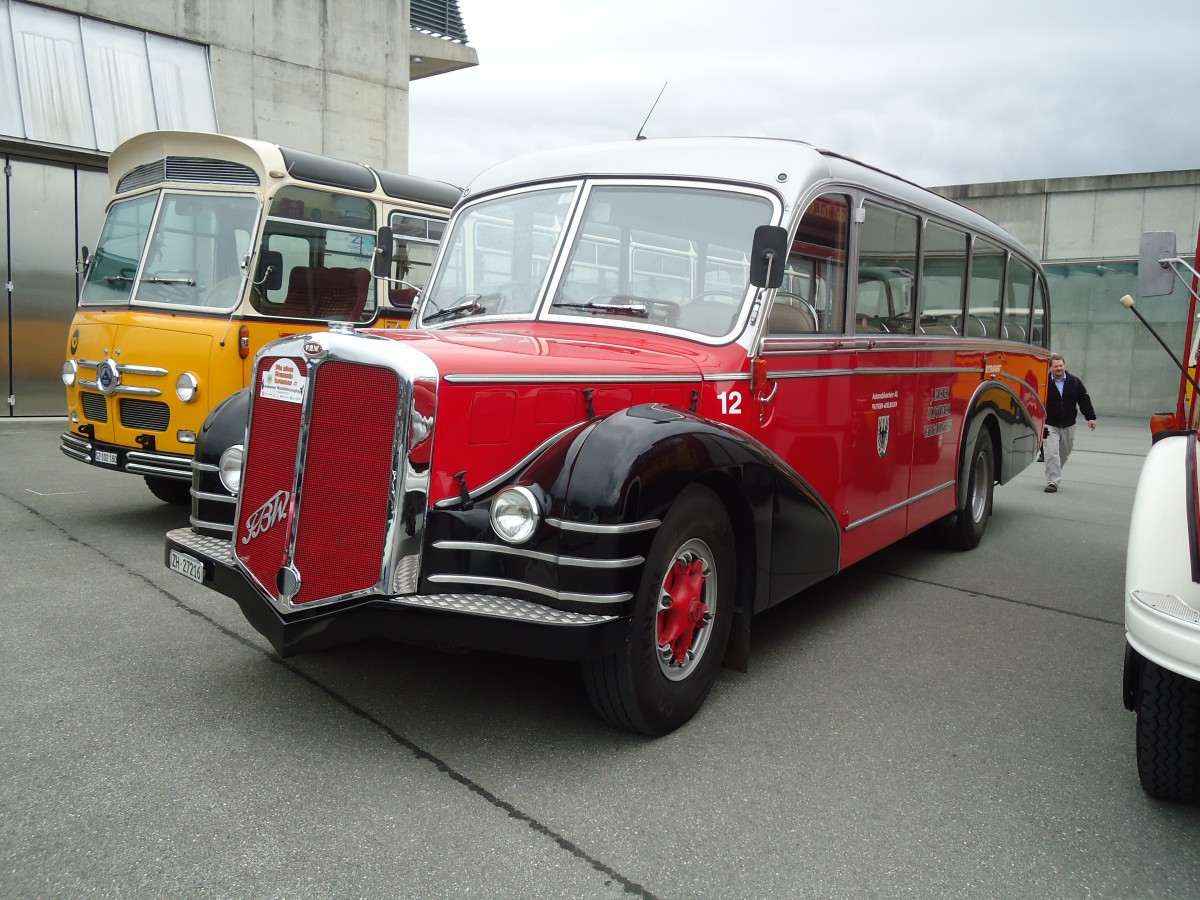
(212, 246)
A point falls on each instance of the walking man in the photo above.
(1065, 396)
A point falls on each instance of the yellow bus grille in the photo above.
(95, 407)
(149, 415)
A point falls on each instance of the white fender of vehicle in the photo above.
(1162, 602)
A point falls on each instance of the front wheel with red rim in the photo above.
(681, 621)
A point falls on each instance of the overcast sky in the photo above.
(939, 92)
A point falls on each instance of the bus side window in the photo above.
(943, 279)
(812, 297)
(1017, 298)
(1037, 326)
(983, 301)
(887, 265)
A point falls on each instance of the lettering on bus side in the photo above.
(938, 413)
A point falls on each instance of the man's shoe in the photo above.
(1041, 456)
(1051, 488)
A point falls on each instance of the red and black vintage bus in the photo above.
(652, 389)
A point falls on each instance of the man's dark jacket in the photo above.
(1061, 408)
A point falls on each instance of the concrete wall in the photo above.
(327, 76)
(1086, 231)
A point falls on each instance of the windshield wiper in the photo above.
(635, 310)
(112, 279)
(190, 282)
(470, 308)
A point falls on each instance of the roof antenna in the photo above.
(640, 137)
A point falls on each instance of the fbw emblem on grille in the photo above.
(312, 348)
(266, 516)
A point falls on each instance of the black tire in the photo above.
(963, 530)
(170, 490)
(638, 688)
(1168, 734)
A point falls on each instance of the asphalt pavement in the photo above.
(926, 724)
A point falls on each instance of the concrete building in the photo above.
(79, 76)
(1087, 231)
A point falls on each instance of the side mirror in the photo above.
(270, 270)
(381, 264)
(85, 257)
(768, 256)
(1156, 279)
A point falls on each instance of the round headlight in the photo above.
(186, 386)
(515, 515)
(230, 468)
(69, 371)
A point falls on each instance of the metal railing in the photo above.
(438, 17)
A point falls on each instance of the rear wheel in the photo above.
(170, 490)
(964, 529)
(681, 621)
(1168, 742)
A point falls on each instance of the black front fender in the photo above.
(631, 466)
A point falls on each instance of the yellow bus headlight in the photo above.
(69, 371)
(186, 387)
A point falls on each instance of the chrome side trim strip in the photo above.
(579, 561)
(589, 528)
(218, 498)
(901, 505)
(508, 584)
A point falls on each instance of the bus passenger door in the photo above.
(884, 405)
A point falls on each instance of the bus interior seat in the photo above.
(975, 327)
(342, 293)
(301, 294)
(938, 328)
(787, 319)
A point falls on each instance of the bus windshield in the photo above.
(659, 255)
(190, 256)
